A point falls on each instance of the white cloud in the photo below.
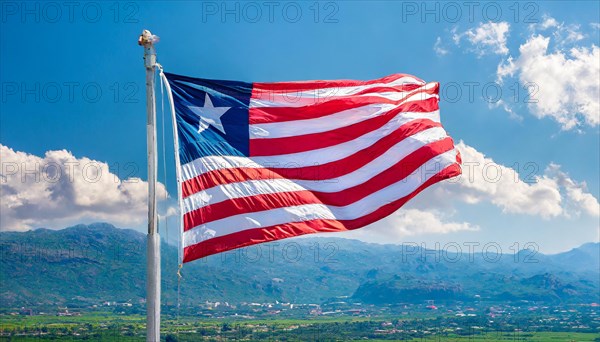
(507, 108)
(548, 22)
(484, 180)
(547, 195)
(172, 211)
(572, 35)
(59, 189)
(437, 47)
(568, 83)
(406, 222)
(563, 34)
(580, 199)
(414, 221)
(487, 38)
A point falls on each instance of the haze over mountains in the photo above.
(90, 264)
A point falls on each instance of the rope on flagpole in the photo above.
(177, 162)
(164, 154)
(164, 82)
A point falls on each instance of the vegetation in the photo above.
(87, 283)
(108, 327)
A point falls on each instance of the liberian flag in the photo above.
(266, 161)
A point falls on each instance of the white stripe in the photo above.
(224, 192)
(290, 98)
(259, 219)
(395, 154)
(203, 165)
(334, 121)
(301, 213)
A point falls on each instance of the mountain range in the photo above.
(91, 264)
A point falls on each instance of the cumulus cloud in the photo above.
(507, 108)
(487, 38)
(548, 22)
(548, 195)
(565, 79)
(562, 33)
(437, 47)
(485, 180)
(579, 199)
(409, 221)
(59, 189)
(414, 221)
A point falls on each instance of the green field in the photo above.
(111, 327)
(534, 337)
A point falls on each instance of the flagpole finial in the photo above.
(147, 40)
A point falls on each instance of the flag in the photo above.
(266, 161)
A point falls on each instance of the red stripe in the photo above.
(259, 235)
(389, 89)
(258, 115)
(315, 172)
(312, 85)
(313, 141)
(236, 206)
(224, 176)
(394, 174)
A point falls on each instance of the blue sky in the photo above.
(73, 80)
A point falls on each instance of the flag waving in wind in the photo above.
(268, 161)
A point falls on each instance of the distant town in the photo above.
(338, 319)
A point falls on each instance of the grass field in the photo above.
(533, 337)
(130, 328)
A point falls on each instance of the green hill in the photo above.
(91, 264)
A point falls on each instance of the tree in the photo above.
(171, 338)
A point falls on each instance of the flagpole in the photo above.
(147, 40)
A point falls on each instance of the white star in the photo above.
(209, 115)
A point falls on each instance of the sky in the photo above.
(520, 87)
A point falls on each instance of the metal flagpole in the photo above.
(147, 40)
